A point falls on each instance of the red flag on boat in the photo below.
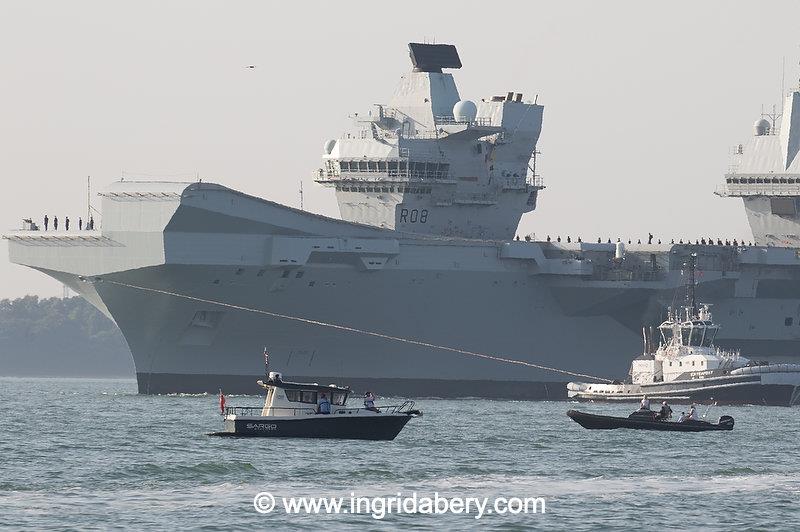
(221, 403)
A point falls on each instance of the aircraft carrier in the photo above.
(431, 188)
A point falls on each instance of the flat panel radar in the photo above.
(433, 57)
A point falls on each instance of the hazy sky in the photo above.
(643, 100)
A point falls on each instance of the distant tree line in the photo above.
(60, 337)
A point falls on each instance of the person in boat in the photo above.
(644, 404)
(324, 406)
(693, 413)
(369, 402)
(665, 413)
(682, 417)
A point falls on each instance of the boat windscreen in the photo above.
(711, 333)
(697, 336)
(685, 335)
(338, 398)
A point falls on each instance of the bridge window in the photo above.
(685, 331)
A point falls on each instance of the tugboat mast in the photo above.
(691, 302)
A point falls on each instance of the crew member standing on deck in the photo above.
(80, 224)
(324, 405)
(55, 223)
(46, 221)
(66, 223)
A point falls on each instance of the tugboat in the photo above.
(647, 420)
(687, 367)
(304, 410)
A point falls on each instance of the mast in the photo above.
(691, 302)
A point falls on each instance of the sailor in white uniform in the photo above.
(693, 414)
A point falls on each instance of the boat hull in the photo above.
(598, 422)
(194, 278)
(367, 427)
(739, 390)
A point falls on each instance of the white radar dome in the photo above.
(761, 127)
(465, 111)
(329, 146)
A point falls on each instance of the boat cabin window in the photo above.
(301, 396)
(338, 398)
(293, 395)
(308, 396)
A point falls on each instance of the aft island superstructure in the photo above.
(431, 186)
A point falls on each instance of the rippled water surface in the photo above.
(93, 454)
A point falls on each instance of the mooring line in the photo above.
(359, 331)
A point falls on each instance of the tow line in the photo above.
(355, 330)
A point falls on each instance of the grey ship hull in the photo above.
(543, 303)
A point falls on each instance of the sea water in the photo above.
(93, 454)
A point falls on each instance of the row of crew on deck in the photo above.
(30, 225)
(698, 242)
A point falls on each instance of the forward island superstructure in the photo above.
(431, 187)
(765, 173)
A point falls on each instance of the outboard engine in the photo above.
(725, 421)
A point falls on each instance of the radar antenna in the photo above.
(773, 117)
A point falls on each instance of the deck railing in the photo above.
(406, 406)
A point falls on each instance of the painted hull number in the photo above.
(413, 216)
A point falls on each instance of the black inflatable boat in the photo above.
(645, 420)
